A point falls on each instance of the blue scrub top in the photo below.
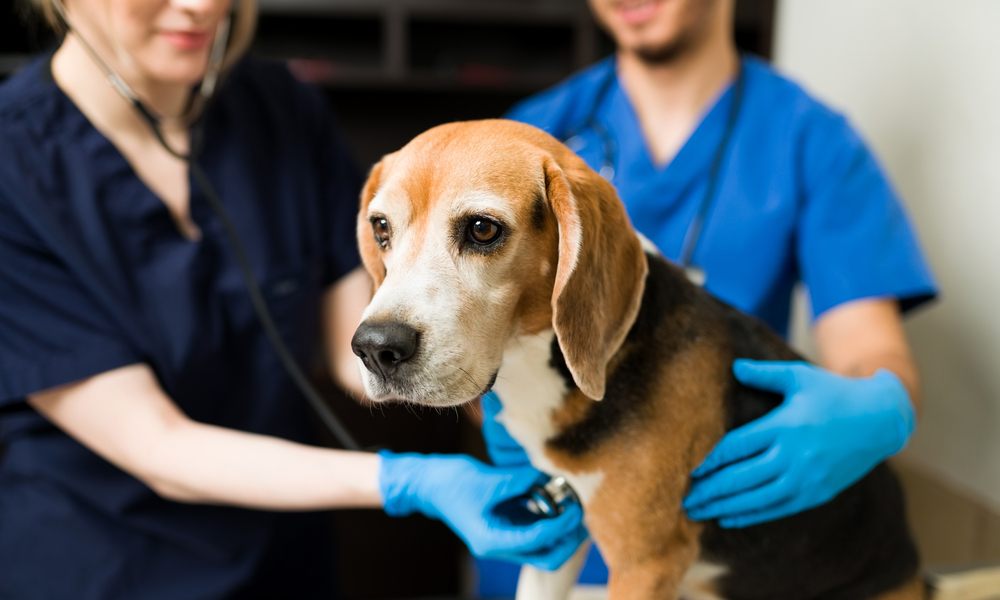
(71, 524)
(799, 198)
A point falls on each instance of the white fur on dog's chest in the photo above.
(531, 390)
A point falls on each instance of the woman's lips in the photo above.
(187, 40)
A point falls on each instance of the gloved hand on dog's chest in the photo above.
(828, 433)
(463, 493)
(502, 448)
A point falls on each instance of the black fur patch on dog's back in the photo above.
(626, 389)
(672, 316)
(861, 536)
(748, 337)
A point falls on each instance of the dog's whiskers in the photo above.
(467, 375)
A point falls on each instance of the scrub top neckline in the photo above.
(689, 155)
(87, 130)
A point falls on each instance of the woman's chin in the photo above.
(190, 77)
(177, 70)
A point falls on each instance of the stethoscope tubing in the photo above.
(201, 179)
(609, 159)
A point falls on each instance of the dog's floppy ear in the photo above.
(601, 272)
(370, 253)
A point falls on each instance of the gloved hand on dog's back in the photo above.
(828, 433)
(463, 493)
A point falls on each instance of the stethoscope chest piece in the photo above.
(548, 498)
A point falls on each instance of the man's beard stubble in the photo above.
(684, 43)
(667, 53)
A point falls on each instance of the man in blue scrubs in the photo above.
(736, 172)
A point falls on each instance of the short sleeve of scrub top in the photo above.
(854, 239)
(95, 275)
(52, 331)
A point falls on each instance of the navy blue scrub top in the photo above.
(799, 198)
(71, 524)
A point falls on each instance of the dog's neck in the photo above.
(543, 406)
(531, 391)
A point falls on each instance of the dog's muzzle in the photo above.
(385, 347)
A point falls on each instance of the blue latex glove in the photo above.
(463, 492)
(828, 433)
(503, 449)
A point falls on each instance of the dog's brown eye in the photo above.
(483, 231)
(380, 228)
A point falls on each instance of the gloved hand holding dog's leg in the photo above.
(463, 493)
(828, 433)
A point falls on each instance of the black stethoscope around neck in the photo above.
(609, 159)
(204, 94)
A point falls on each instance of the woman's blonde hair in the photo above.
(240, 37)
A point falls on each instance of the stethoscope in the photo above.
(205, 93)
(547, 498)
(609, 158)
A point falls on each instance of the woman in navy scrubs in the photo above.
(153, 447)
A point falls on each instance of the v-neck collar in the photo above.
(140, 200)
(693, 158)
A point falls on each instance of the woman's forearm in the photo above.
(124, 416)
(200, 463)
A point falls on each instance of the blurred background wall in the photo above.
(921, 80)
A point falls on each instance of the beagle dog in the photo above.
(501, 260)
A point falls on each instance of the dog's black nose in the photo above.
(382, 347)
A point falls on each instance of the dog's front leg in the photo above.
(535, 584)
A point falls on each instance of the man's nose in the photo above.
(384, 346)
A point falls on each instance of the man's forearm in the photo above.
(901, 364)
(859, 338)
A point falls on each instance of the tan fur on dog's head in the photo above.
(566, 259)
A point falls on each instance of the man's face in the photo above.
(655, 30)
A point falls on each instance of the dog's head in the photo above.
(479, 231)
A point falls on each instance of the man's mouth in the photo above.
(637, 12)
